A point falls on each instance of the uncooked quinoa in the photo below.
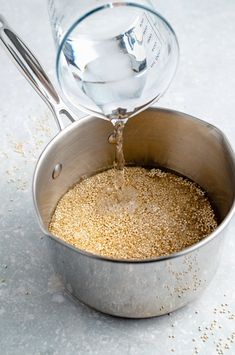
(133, 214)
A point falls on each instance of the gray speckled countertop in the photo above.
(36, 315)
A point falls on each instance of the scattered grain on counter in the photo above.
(135, 214)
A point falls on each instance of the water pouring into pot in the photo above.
(115, 59)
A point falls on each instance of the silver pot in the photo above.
(156, 137)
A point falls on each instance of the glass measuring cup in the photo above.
(114, 59)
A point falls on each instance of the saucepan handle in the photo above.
(33, 72)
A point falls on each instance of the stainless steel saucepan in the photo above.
(156, 137)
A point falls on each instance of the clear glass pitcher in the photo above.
(114, 58)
